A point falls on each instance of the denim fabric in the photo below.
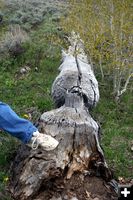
(13, 124)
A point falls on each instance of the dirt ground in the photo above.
(79, 187)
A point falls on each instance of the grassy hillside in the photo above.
(32, 89)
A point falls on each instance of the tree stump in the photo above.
(75, 92)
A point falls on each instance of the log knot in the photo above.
(74, 98)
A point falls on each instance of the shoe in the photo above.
(47, 142)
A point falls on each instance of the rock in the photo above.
(25, 70)
(22, 70)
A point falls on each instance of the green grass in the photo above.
(8, 146)
(30, 90)
(117, 128)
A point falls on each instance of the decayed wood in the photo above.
(75, 71)
(72, 125)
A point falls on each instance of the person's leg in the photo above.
(13, 124)
(24, 129)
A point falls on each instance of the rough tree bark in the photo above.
(75, 71)
(75, 92)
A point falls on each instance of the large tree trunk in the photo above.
(75, 92)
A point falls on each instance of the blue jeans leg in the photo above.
(13, 124)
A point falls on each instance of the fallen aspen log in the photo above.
(75, 70)
(75, 91)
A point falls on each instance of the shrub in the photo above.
(30, 12)
(12, 42)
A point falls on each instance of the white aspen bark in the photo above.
(125, 86)
(101, 68)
